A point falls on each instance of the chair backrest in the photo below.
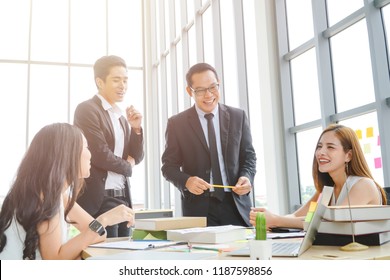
(387, 190)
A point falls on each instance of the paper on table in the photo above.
(155, 255)
(135, 245)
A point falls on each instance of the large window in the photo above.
(46, 56)
(339, 74)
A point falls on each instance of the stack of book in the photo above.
(370, 225)
(156, 228)
(152, 213)
(210, 235)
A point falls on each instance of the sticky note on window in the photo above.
(309, 216)
(370, 132)
(367, 148)
(379, 141)
(313, 206)
(378, 162)
(359, 133)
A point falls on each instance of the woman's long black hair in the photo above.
(51, 162)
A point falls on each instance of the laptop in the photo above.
(295, 249)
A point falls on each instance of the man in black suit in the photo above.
(115, 148)
(187, 161)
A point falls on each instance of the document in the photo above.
(155, 255)
(136, 245)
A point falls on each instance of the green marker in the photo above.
(261, 227)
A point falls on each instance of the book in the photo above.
(152, 213)
(216, 234)
(373, 239)
(358, 213)
(141, 234)
(360, 227)
(170, 223)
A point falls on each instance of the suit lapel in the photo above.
(126, 132)
(106, 115)
(224, 123)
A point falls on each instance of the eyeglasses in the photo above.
(200, 92)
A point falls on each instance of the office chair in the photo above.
(387, 191)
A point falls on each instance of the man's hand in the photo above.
(131, 160)
(243, 186)
(134, 118)
(197, 185)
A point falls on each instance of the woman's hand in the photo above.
(117, 215)
(271, 219)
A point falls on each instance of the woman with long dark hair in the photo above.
(41, 203)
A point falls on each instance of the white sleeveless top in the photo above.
(350, 182)
(16, 236)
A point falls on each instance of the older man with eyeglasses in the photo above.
(209, 155)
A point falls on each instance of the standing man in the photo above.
(116, 143)
(208, 146)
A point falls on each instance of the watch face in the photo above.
(97, 227)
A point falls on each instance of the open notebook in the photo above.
(295, 249)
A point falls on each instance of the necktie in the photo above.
(216, 171)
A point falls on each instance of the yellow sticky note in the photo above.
(370, 132)
(359, 133)
(313, 206)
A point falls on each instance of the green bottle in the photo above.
(261, 227)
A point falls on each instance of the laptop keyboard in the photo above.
(283, 248)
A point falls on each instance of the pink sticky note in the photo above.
(378, 162)
(379, 140)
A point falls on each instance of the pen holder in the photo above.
(260, 249)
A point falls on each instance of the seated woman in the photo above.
(338, 162)
(41, 202)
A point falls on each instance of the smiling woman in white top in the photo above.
(339, 162)
(41, 202)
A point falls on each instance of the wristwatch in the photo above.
(97, 227)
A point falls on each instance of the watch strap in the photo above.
(97, 227)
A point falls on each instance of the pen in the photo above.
(220, 186)
(170, 244)
(207, 249)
